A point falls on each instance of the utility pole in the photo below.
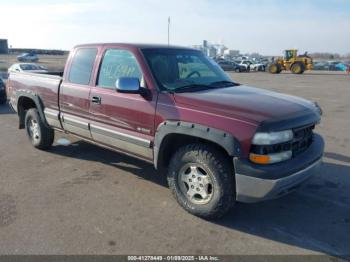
(168, 30)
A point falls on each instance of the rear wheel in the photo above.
(39, 134)
(202, 181)
(298, 68)
(275, 68)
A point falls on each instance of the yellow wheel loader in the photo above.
(291, 61)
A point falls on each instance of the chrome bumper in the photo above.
(252, 189)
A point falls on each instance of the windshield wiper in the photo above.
(200, 87)
(223, 83)
(192, 88)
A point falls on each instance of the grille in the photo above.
(302, 139)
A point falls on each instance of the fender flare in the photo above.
(228, 142)
(38, 103)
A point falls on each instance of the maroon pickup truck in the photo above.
(218, 141)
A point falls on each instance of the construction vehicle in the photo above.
(297, 64)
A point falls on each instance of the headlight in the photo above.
(272, 138)
(268, 140)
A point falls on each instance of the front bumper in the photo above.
(256, 183)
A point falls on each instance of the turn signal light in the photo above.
(259, 159)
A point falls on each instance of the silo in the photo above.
(4, 46)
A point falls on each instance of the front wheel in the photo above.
(202, 181)
(39, 134)
(274, 68)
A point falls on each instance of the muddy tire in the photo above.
(201, 179)
(39, 134)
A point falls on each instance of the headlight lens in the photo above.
(272, 137)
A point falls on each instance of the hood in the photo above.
(251, 104)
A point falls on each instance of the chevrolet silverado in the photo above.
(217, 141)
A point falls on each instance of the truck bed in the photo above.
(44, 85)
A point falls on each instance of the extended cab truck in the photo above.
(218, 141)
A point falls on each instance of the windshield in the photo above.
(29, 67)
(180, 68)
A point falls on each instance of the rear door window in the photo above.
(82, 65)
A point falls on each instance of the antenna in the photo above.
(168, 30)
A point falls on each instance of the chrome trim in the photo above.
(253, 189)
(148, 158)
(120, 136)
(73, 125)
(74, 122)
(52, 117)
(51, 113)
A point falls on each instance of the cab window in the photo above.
(82, 65)
(117, 63)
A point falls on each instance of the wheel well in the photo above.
(173, 142)
(24, 103)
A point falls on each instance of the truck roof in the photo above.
(135, 45)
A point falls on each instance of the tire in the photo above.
(237, 70)
(297, 68)
(39, 134)
(275, 68)
(210, 176)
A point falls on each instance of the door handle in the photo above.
(96, 100)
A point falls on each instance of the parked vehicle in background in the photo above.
(341, 67)
(4, 75)
(319, 65)
(246, 64)
(219, 142)
(256, 66)
(2, 92)
(332, 65)
(231, 66)
(28, 57)
(27, 67)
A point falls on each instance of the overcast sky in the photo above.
(264, 26)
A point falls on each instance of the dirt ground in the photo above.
(81, 199)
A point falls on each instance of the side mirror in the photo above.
(128, 85)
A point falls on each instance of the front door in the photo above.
(119, 120)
